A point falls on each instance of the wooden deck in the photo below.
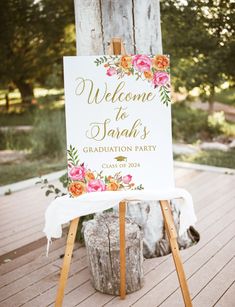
(30, 279)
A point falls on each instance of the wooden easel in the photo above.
(117, 48)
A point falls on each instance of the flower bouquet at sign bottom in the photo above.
(83, 180)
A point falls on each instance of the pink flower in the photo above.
(160, 78)
(142, 62)
(126, 179)
(111, 71)
(96, 185)
(77, 173)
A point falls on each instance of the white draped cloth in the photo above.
(64, 209)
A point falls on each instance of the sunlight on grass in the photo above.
(40, 92)
(14, 96)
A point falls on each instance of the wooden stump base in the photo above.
(103, 252)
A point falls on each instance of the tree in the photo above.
(199, 35)
(32, 35)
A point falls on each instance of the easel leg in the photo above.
(122, 213)
(172, 235)
(67, 260)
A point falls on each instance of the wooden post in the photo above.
(137, 22)
(122, 215)
(66, 263)
(117, 47)
(172, 235)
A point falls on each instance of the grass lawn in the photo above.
(22, 115)
(17, 119)
(226, 96)
(11, 173)
(210, 157)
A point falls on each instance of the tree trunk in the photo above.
(149, 216)
(26, 91)
(137, 22)
(102, 245)
(7, 101)
(211, 100)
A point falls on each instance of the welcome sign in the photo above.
(118, 119)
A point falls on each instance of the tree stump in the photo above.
(155, 241)
(102, 245)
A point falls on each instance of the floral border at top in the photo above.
(154, 69)
(84, 180)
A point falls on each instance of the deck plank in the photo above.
(222, 280)
(228, 298)
(31, 280)
(212, 234)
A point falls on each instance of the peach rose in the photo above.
(89, 176)
(160, 78)
(161, 62)
(77, 188)
(96, 185)
(125, 62)
(142, 62)
(77, 173)
(148, 75)
(113, 186)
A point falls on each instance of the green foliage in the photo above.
(79, 235)
(188, 125)
(73, 155)
(50, 188)
(216, 121)
(48, 136)
(191, 125)
(16, 118)
(11, 139)
(210, 157)
(165, 95)
(64, 180)
(100, 60)
(33, 40)
(226, 96)
(199, 35)
(8, 192)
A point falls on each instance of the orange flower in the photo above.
(125, 62)
(89, 176)
(77, 188)
(161, 62)
(106, 65)
(113, 186)
(148, 75)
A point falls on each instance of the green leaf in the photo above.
(48, 192)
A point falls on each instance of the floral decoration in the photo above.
(154, 69)
(84, 180)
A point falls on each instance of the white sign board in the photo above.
(118, 119)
